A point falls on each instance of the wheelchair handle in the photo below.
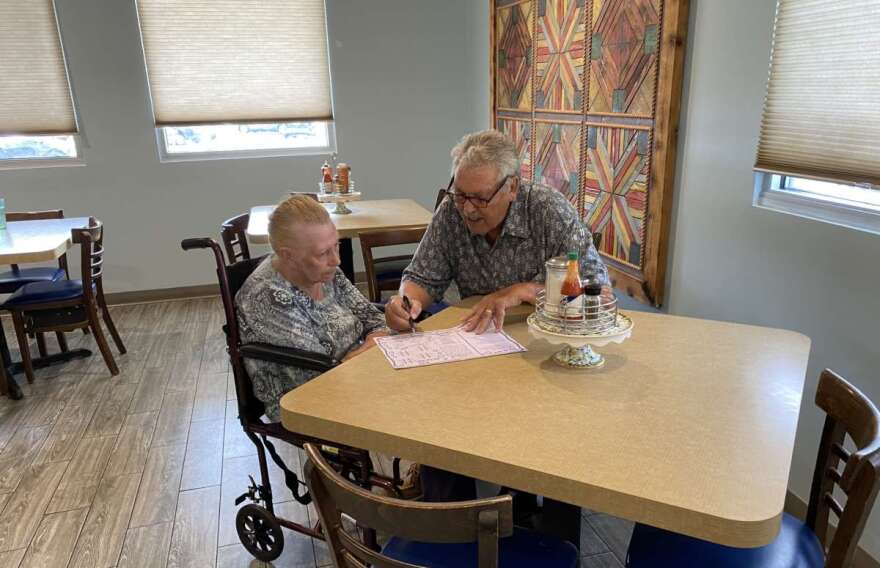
(196, 242)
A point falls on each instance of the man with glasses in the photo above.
(491, 235)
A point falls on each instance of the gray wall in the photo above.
(731, 261)
(403, 83)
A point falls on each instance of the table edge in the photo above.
(742, 533)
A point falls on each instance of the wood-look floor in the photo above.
(142, 469)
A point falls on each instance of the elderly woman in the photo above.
(298, 297)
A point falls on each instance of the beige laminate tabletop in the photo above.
(22, 242)
(365, 216)
(689, 426)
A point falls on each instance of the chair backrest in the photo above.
(250, 408)
(383, 238)
(91, 242)
(849, 413)
(234, 234)
(40, 216)
(441, 195)
(481, 520)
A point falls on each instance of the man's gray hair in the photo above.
(488, 147)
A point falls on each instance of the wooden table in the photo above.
(365, 216)
(23, 242)
(689, 426)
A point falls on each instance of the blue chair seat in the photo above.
(12, 280)
(44, 292)
(387, 270)
(796, 545)
(523, 549)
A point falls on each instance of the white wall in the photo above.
(402, 82)
(731, 261)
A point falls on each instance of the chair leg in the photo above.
(112, 327)
(95, 325)
(41, 344)
(62, 341)
(23, 347)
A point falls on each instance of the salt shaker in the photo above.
(592, 301)
(555, 269)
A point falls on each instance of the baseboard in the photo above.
(796, 507)
(162, 294)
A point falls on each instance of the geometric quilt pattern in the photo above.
(623, 56)
(520, 132)
(513, 79)
(557, 154)
(559, 55)
(616, 190)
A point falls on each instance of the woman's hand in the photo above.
(369, 341)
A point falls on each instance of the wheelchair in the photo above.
(257, 525)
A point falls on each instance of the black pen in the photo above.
(408, 307)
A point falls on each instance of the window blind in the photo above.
(821, 114)
(215, 61)
(34, 92)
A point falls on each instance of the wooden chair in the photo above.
(384, 273)
(258, 527)
(441, 195)
(804, 544)
(233, 232)
(67, 305)
(460, 534)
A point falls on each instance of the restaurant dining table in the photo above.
(365, 216)
(25, 242)
(689, 426)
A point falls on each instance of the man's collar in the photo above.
(517, 222)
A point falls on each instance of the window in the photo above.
(37, 119)
(178, 143)
(819, 147)
(37, 147)
(847, 205)
(238, 78)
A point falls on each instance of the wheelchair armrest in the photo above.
(288, 356)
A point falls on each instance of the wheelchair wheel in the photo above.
(259, 532)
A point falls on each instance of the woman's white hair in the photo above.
(488, 147)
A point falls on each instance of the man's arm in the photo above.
(428, 275)
(396, 316)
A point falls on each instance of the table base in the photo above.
(561, 520)
(11, 387)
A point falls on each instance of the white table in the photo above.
(365, 216)
(23, 242)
